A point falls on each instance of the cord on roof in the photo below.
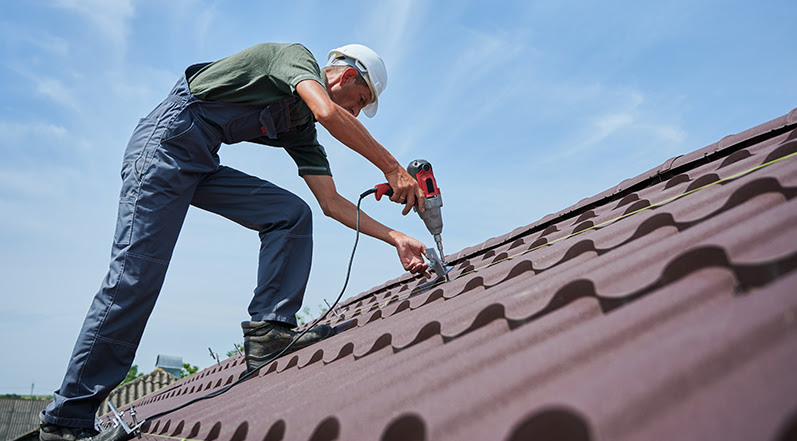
(248, 374)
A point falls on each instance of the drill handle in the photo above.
(380, 190)
(383, 190)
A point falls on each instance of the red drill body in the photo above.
(421, 170)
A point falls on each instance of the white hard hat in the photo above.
(368, 64)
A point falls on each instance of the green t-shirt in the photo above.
(261, 75)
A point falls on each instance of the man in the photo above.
(271, 94)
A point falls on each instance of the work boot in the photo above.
(265, 339)
(54, 432)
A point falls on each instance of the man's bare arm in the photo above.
(347, 129)
(341, 209)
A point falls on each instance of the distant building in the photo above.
(170, 364)
(138, 388)
(19, 416)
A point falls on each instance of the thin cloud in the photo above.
(19, 135)
(55, 90)
(471, 73)
(32, 41)
(111, 18)
(395, 21)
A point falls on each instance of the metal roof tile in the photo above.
(656, 309)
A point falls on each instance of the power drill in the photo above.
(421, 170)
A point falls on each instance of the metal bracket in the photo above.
(98, 425)
(120, 430)
(437, 267)
(436, 264)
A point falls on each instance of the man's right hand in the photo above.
(405, 190)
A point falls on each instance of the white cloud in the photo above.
(612, 119)
(111, 18)
(469, 83)
(608, 124)
(394, 22)
(55, 90)
(49, 43)
(666, 132)
(38, 39)
(15, 133)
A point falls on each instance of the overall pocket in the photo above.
(243, 127)
(191, 142)
(268, 121)
(276, 118)
(128, 197)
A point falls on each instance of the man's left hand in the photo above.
(411, 252)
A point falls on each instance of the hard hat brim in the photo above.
(370, 110)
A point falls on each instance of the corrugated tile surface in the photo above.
(664, 308)
(18, 416)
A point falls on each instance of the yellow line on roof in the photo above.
(602, 224)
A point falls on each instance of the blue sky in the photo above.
(523, 107)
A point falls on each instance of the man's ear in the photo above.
(349, 74)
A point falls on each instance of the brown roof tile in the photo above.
(663, 308)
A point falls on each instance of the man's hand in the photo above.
(410, 253)
(334, 205)
(405, 190)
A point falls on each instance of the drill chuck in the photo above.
(433, 220)
(432, 216)
(439, 242)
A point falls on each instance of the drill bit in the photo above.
(439, 241)
(442, 259)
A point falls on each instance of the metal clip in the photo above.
(120, 430)
(119, 417)
(436, 264)
(135, 422)
(440, 271)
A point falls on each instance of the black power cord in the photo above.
(248, 374)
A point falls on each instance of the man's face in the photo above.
(349, 95)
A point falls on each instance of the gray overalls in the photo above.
(171, 162)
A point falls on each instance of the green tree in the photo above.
(27, 397)
(233, 352)
(132, 374)
(305, 315)
(188, 370)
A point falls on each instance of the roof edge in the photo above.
(673, 166)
